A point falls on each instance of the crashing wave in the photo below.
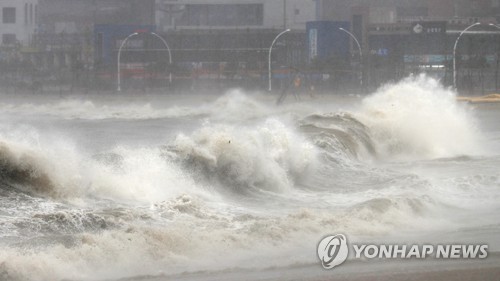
(25, 170)
(267, 157)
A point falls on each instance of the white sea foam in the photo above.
(198, 238)
(59, 169)
(251, 188)
(270, 156)
(418, 118)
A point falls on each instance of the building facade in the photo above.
(233, 14)
(400, 37)
(65, 28)
(230, 39)
(18, 22)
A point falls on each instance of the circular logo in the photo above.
(418, 28)
(333, 250)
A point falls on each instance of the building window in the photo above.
(9, 15)
(9, 39)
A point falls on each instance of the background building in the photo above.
(65, 32)
(17, 29)
(400, 37)
(233, 14)
(18, 21)
(230, 40)
(227, 41)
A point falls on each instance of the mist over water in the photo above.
(93, 189)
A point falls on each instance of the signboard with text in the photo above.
(429, 27)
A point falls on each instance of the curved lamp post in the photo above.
(495, 25)
(270, 50)
(360, 54)
(169, 55)
(118, 76)
(454, 53)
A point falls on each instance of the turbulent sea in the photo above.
(127, 185)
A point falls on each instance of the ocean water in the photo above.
(129, 185)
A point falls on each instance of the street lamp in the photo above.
(118, 76)
(169, 55)
(123, 44)
(454, 53)
(360, 54)
(270, 50)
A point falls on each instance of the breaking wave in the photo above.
(233, 194)
(340, 135)
(269, 156)
(60, 171)
(24, 169)
(418, 118)
(415, 119)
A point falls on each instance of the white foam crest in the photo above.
(418, 118)
(269, 156)
(140, 174)
(49, 170)
(58, 169)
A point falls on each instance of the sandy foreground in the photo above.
(429, 269)
(491, 98)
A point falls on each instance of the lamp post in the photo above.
(169, 55)
(270, 50)
(118, 76)
(360, 54)
(454, 53)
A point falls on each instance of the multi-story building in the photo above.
(18, 22)
(65, 28)
(228, 38)
(234, 14)
(399, 37)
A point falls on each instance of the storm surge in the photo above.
(238, 184)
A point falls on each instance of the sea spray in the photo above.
(270, 156)
(158, 206)
(418, 118)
